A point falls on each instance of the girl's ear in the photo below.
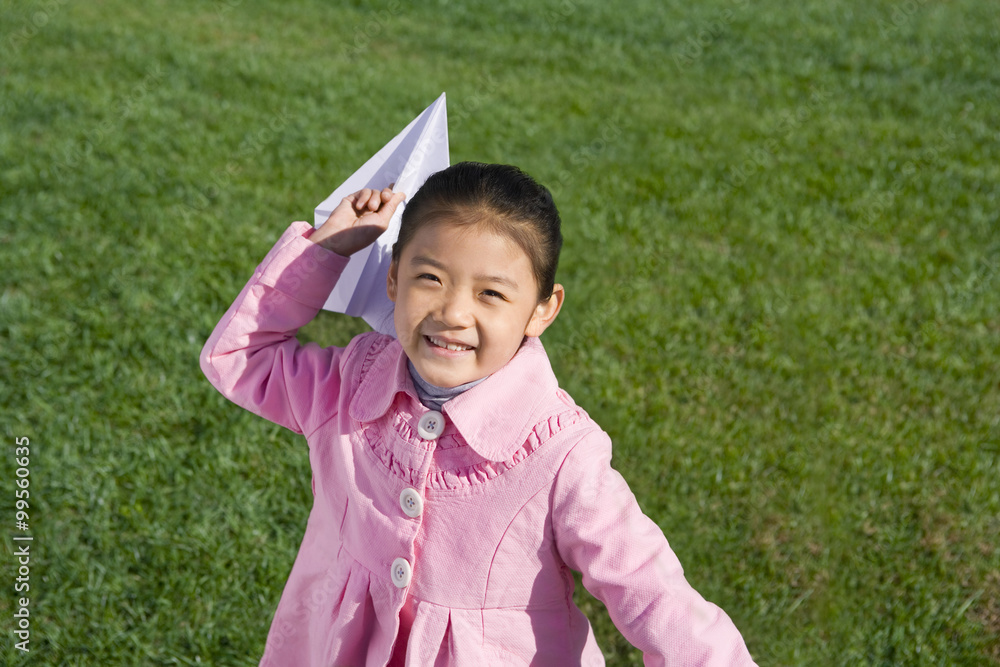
(545, 312)
(390, 281)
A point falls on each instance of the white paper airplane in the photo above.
(417, 152)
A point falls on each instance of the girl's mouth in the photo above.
(454, 347)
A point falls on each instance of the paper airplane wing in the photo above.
(414, 154)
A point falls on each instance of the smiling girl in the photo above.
(455, 484)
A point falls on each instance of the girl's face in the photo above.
(465, 299)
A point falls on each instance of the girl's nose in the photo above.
(455, 310)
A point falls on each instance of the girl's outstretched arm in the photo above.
(252, 357)
(628, 565)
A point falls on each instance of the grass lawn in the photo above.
(782, 263)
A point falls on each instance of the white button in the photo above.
(401, 572)
(431, 425)
(411, 502)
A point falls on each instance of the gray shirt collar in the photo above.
(434, 397)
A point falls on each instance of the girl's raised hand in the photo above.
(358, 220)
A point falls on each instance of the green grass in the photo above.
(782, 262)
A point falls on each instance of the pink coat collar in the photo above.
(494, 417)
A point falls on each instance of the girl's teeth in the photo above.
(454, 347)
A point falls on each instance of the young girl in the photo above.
(455, 484)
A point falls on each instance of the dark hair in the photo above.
(500, 196)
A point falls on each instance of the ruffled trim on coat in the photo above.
(372, 436)
(378, 345)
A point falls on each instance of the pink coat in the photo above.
(468, 522)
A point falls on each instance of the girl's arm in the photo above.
(628, 565)
(252, 357)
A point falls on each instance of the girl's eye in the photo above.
(428, 276)
(494, 294)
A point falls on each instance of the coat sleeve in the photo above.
(628, 565)
(253, 357)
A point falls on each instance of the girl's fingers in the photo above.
(360, 199)
(369, 200)
(394, 200)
